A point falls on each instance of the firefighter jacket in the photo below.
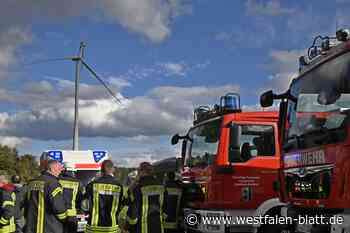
(123, 212)
(72, 193)
(145, 212)
(45, 209)
(173, 204)
(7, 210)
(105, 196)
(20, 191)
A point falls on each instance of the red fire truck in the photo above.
(231, 164)
(314, 120)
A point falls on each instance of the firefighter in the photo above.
(45, 209)
(20, 191)
(7, 206)
(105, 196)
(73, 195)
(173, 204)
(145, 212)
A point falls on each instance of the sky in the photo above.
(161, 58)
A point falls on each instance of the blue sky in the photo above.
(161, 57)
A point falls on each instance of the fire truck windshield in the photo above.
(323, 105)
(204, 140)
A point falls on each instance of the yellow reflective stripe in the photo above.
(95, 206)
(131, 221)
(4, 221)
(151, 190)
(8, 203)
(9, 228)
(56, 191)
(170, 225)
(108, 189)
(13, 196)
(161, 201)
(105, 189)
(37, 185)
(41, 212)
(61, 216)
(74, 185)
(174, 191)
(71, 213)
(132, 198)
(114, 210)
(69, 184)
(144, 227)
(125, 192)
(98, 229)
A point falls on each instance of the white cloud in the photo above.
(257, 35)
(171, 69)
(119, 82)
(10, 41)
(41, 87)
(270, 8)
(163, 111)
(142, 139)
(283, 67)
(164, 69)
(134, 158)
(150, 18)
(13, 142)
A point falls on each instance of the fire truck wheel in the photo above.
(276, 228)
(190, 231)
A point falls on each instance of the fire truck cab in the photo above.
(231, 164)
(314, 119)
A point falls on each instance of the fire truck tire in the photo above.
(275, 228)
(278, 228)
(191, 231)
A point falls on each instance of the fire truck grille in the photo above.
(309, 183)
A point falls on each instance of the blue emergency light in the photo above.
(231, 101)
(98, 155)
(56, 155)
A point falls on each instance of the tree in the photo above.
(8, 159)
(27, 167)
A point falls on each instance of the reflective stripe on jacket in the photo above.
(72, 194)
(7, 205)
(45, 209)
(105, 196)
(173, 204)
(145, 212)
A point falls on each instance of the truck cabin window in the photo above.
(203, 144)
(248, 141)
(321, 114)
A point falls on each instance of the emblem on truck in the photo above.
(305, 158)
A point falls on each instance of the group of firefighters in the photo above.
(52, 202)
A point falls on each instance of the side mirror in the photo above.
(175, 139)
(183, 151)
(235, 142)
(327, 97)
(266, 99)
(235, 135)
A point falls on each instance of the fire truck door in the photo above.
(255, 167)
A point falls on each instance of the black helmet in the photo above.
(16, 179)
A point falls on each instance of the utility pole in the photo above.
(76, 108)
